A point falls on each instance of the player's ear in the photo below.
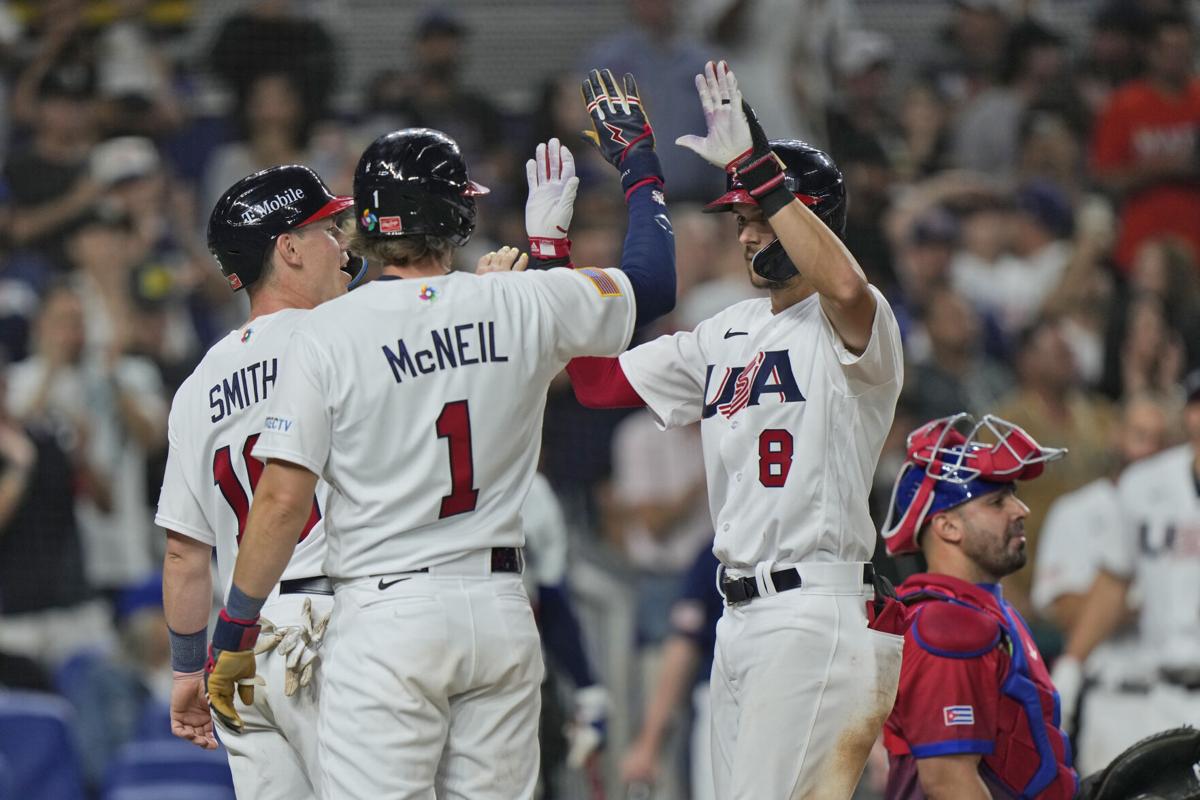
(947, 527)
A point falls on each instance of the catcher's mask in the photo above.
(953, 460)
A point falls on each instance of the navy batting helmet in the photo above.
(258, 208)
(414, 182)
(811, 175)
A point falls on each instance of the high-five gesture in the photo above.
(551, 201)
(621, 130)
(728, 138)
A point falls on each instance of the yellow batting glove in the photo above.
(231, 666)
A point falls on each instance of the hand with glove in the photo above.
(299, 644)
(735, 140)
(621, 130)
(588, 730)
(551, 203)
(231, 666)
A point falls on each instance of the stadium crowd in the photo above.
(1028, 201)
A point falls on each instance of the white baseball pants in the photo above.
(800, 688)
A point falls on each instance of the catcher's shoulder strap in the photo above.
(1165, 766)
(946, 626)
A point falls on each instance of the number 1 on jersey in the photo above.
(454, 425)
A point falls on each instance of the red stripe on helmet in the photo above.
(335, 206)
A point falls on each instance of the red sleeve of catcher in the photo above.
(601, 383)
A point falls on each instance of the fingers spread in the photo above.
(568, 163)
(705, 98)
(631, 89)
(617, 104)
(553, 159)
(543, 169)
(531, 173)
(590, 100)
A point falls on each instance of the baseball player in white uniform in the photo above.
(419, 399)
(794, 394)
(274, 233)
(1082, 532)
(1159, 549)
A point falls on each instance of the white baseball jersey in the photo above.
(1082, 531)
(791, 421)
(545, 537)
(420, 401)
(216, 417)
(1160, 504)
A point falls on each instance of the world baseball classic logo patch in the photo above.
(605, 285)
(958, 715)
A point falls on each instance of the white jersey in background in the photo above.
(420, 401)
(1160, 550)
(216, 418)
(792, 425)
(546, 538)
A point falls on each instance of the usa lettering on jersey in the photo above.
(769, 372)
(450, 348)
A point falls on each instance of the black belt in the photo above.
(504, 559)
(741, 590)
(317, 585)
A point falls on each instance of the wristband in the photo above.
(547, 249)
(188, 650)
(242, 606)
(234, 634)
(763, 178)
(639, 167)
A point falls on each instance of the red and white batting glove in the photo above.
(551, 202)
(728, 139)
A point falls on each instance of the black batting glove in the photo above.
(621, 130)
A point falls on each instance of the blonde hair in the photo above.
(401, 251)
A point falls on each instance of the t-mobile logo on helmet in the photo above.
(259, 210)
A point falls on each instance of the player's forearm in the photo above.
(1103, 612)
(648, 258)
(677, 669)
(952, 778)
(281, 506)
(187, 599)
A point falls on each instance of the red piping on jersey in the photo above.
(601, 383)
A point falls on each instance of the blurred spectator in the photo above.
(924, 253)
(1146, 146)
(1050, 149)
(64, 54)
(1169, 269)
(665, 63)
(1114, 54)
(685, 665)
(958, 375)
(1034, 69)
(431, 94)
(114, 692)
(972, 49)
(1049, 403)
(273, 37)
(47, 606)
(1080, 528)
(111, 406)
(1152, 355)
(560, 114)
(660, 509)
(133, 77)
(860, 121)
(48, 179)
(924, 121)
(782, 52)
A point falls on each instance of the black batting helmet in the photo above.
(258, 208)
(809, 173)
(414, 182)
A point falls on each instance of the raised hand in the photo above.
(551, 202)
(728, 139)
(621, 131)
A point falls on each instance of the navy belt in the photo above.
(741, 590)
(504, 559)
(318, 585)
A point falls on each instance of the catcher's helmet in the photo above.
(258, 208)
(414, 182)
(811, 175)
(946, 467)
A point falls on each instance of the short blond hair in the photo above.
(401, 251)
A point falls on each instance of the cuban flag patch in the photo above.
(958, 715)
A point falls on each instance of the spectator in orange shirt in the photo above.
(1146, 147)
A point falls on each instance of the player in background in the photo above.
(686, 663)
(419, 398)
(275, 234)
(1081, 532)
(794, 394)
(546, 543)
(1159, 549)
(976, 715)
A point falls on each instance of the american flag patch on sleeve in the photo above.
(958, 715)
(605, 285)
